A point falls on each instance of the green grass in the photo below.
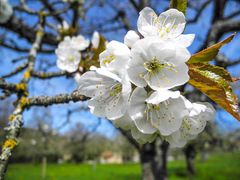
(218, 167)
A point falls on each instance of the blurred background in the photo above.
(67, 142)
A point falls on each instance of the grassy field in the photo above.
(218, 167)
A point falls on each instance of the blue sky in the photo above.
(62, 85)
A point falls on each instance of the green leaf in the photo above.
(210, 53)
(214, 82)
(180, 5)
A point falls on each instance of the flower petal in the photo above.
(146, 22)
(170, 116)
(185, 39)
(137, 111)
(168, 78)
(131, 38)
(141, 137)
(161, 95)
(91, 83)
(125, 122)
(172, 23)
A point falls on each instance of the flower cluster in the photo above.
(134, 85)
(5, 11)
(69, 51)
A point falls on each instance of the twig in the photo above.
(16, 118)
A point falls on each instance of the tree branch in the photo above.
(58, 99)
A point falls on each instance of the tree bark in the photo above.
(190, 154)
(154, 160)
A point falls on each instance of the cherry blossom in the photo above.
(168, 25)
(115, 57)
(79, 43)
(159, 64)
(68, 58)
(193, 124)
(68, 52)
(131, 38)
(161, 115)
(109, 92)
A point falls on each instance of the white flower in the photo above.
(159, 64)
(130, 38)
(168, 25)
(151, 115)
(95, 40)
(193, 124)
(68, 58)
(79, 43)
(115, 57)
(6, 11)
(109, 92)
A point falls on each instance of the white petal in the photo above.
(91, 83)
(124, 122)
(116, 108)
(209, 112)
(185, 39)
(135, 74)
(68, 61)
(137, 111)
(79, 43)
(161, 95)
(130, 38)
(176, 139)
(146, 22)
(141, 137)
(97, 107)
(198, 117)
(105, 72)
(172, 23)
(139, 55)
(170, 116)
(95, 39)
(115, 57)
(168, 78)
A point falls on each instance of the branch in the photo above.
(58, 99)
(236, 13)
(16, 118)
(135, 5)
(11, 87)
(43, 75)
(16, 71)
(19, 27)
(199, 12)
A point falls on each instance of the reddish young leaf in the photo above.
(213, 82)
(210, 53)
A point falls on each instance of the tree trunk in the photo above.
(190, 154)
(44, 167)
(154, 160)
